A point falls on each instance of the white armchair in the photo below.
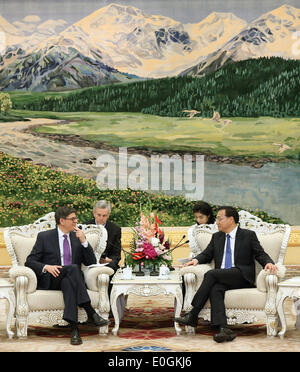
(245, 305)
(46, 306)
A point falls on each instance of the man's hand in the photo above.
(193, 262)
(105, 260)
(272, 268)
(53, 270)
(80, 235)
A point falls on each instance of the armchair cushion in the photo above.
(22, 246)
(47, 300)
(244, 298)
(271, 244)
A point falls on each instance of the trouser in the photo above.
(213, 287)
(71, 282)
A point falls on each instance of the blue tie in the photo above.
(228, 262)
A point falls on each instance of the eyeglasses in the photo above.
(220, 218)
(72, 218)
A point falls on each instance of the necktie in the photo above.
(67, 251)
(228, 262)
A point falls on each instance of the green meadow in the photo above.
(242, 137)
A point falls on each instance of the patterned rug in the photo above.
(147, 325)
(141, 324)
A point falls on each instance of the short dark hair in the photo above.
(206, 209)
(63, 212)
(230, 212)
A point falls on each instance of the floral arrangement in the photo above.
(149, 244)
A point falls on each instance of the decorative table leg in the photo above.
(177, 307)
(297, 311)
(117, 303)
(12, 304)
(190, 282)
(281, 316)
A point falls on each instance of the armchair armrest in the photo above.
(17, 271)
(263, 278)
(193, 276)
(198, 270)
(91, 276)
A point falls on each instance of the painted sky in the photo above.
(186, 11)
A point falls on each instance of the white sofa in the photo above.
(245, 305)
(46, 306)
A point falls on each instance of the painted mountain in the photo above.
(111, 45)
(273, 34)
(22, 36)
(120, 43)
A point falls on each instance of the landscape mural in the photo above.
(79, 81)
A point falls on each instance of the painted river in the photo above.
(274, 188)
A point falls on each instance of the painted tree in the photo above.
(5, 103)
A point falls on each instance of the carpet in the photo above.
(147, 326)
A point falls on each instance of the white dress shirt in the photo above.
(232, 246)
(61, 246)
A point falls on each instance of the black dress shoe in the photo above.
(97, 320)
(75, 337)
(188, 319)
(225, 334)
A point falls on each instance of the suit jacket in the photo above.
(247, 249)
(46, 252)
(113, 247)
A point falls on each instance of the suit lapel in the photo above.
(237, 245)
(108, 226)
(55, 242)
(74, 243)
(220, 250)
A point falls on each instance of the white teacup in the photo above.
(127, 272)
(164, 272)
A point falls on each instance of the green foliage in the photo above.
(5, 103)
(255, 87)
(27, 192)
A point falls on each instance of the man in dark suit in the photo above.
(112, 253)
(56, 259)
(234, 251)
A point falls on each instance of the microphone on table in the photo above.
(178, 245)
